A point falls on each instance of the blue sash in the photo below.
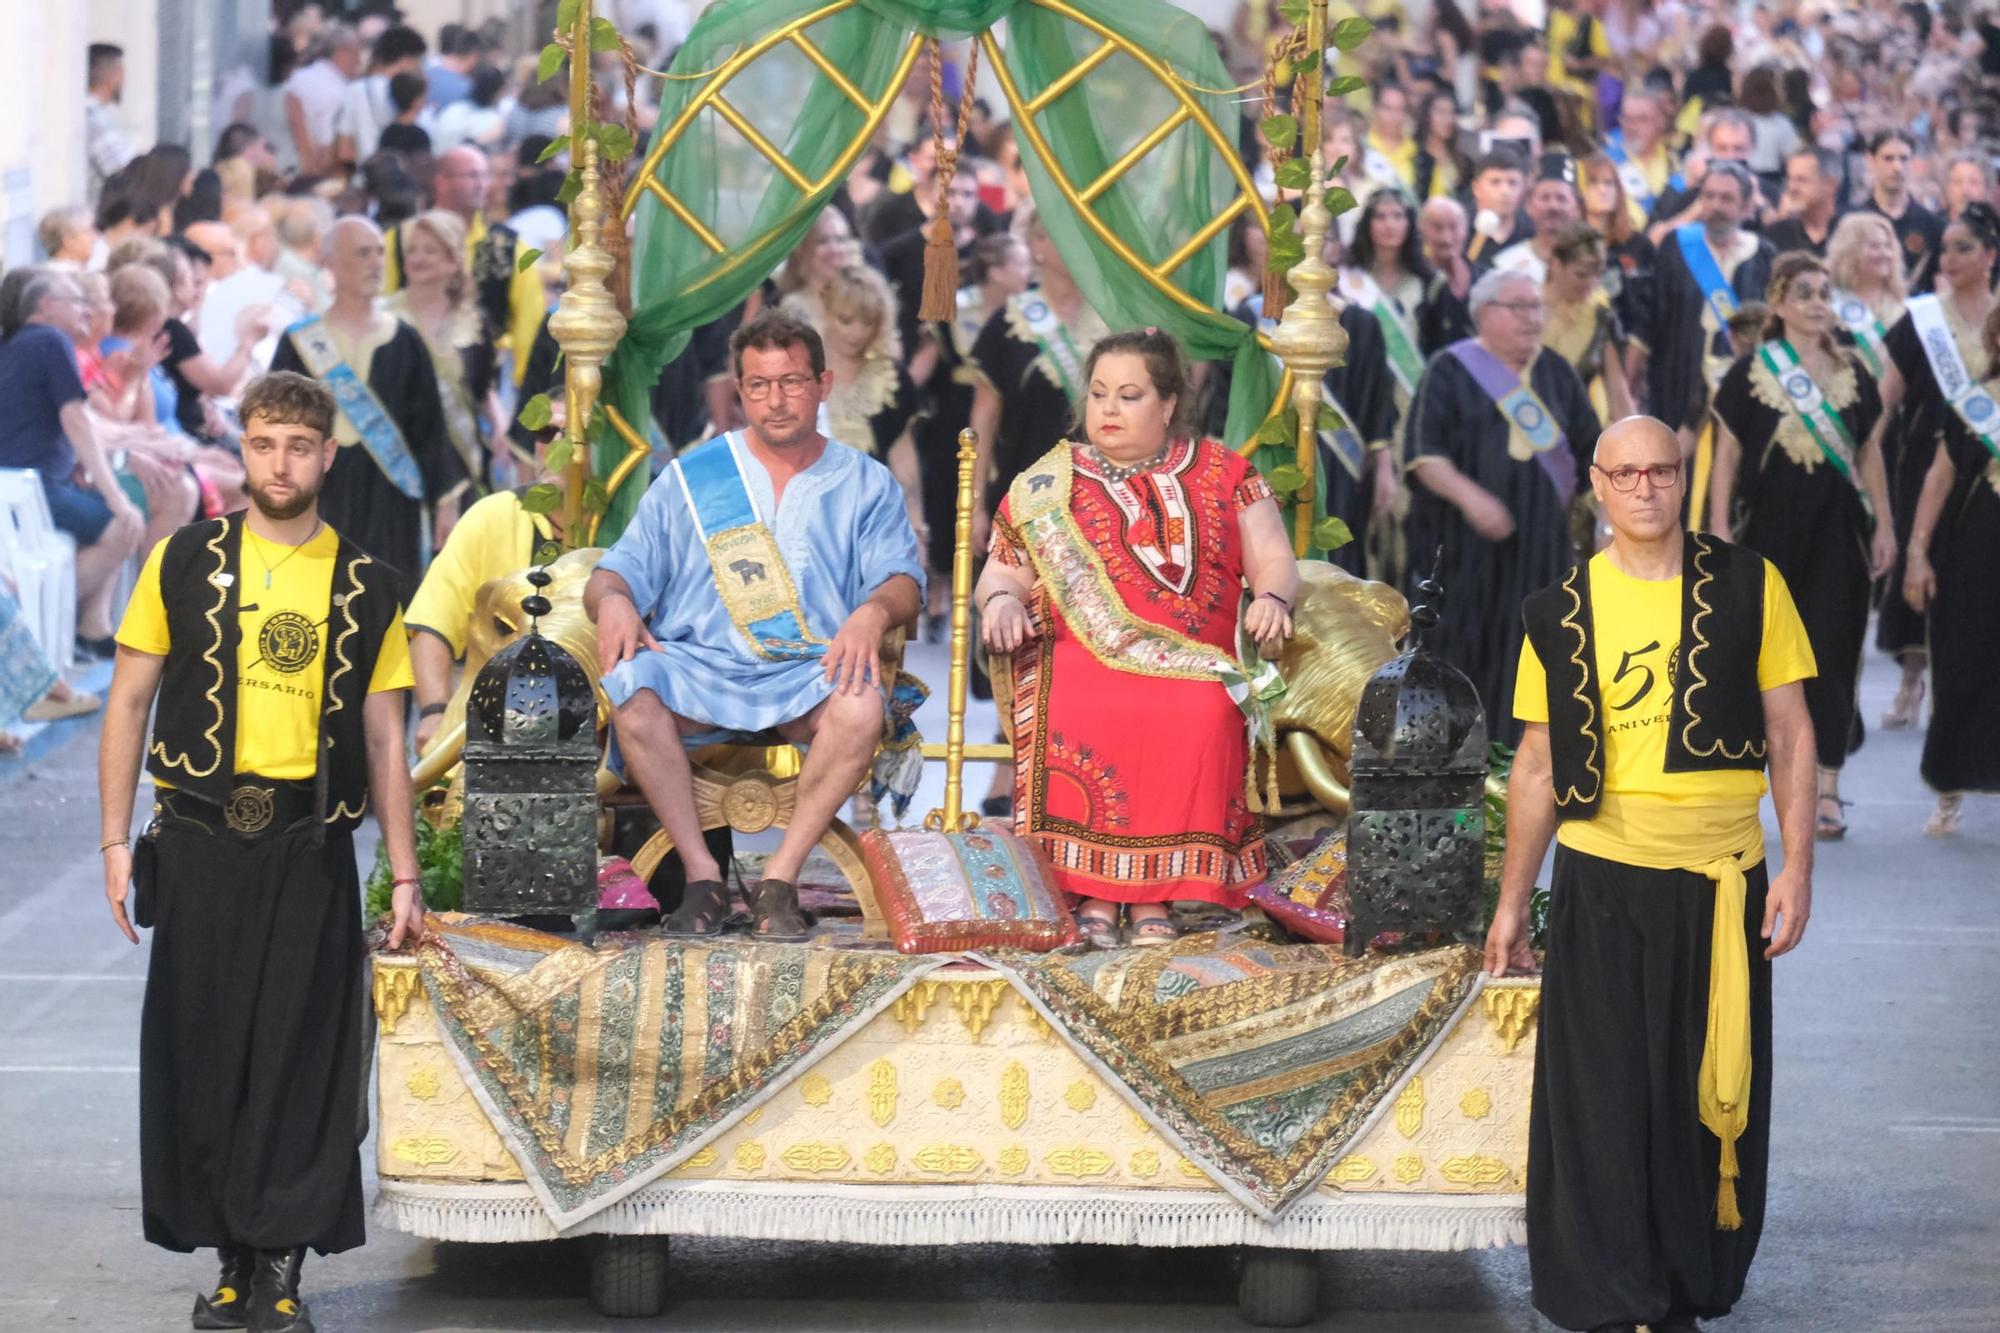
(1715, 288)
(1527, 417)
(750, 573)
(1630, 174)
(380, 435)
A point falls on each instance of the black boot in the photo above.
(275, 1306)
(229, 1306)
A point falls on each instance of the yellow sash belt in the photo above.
(1716, 839)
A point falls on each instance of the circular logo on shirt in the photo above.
(288, 641)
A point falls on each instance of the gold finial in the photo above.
(587, 326)
(1309, 339)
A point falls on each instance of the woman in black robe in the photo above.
(357, 500)
(1777, 491)
(1965, 295)
(1953, 550)
(1455, 434)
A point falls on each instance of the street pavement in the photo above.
(1886, 1137)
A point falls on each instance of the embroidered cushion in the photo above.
(950, 892)
(1309, 896)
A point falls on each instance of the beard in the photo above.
(303, 499)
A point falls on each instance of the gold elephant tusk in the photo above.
(438, 761)
(1316, 772)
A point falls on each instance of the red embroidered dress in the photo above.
(1134, 784)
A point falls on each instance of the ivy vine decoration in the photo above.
(1291, 161)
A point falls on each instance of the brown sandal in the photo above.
(774, 912)
(703, 910)
(1099, 929)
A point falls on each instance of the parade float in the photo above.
(927, 1069)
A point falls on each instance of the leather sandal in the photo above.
(703, 910)
(1152, 931)
(774, 912)
(1943, 822)
(1099, 929)
(1830, 827)
(1909, 702)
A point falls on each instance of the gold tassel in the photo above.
(1727, 1218)
(940, 299)
(939, 302)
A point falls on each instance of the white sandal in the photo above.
(1943, 822)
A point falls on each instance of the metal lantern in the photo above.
(1416, 828)
(530, 824)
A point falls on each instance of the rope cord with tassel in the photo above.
(940, 298)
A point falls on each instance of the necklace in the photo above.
(270, 569)
(1117, 472)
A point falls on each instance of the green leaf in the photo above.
(1284, 250)
(614, 141)
(1330, 418)
(1286, 478)
(1294, 173)
(1293, 11)
(1339, 165)
(536, 412)
(595, 498)
(1306, 63)
(1284, 218)
(528, 259)
(572, 186)
(566, 13)
(1281, 132)
(604, 35)
(1330, 534)
(1339, 200)
(551, 61)
(1350, 33)
(559, 144)
(542, 498)
(1345, 84)
(547, 553)
(559, 454)
(1275, 430)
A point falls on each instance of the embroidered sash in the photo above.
(1058, 351)
(1869, 335)
(1341, 441)
(1405, 361)
(1630, 174)
(1525, 413)
(1715, 288)
(1974, 405)
(380, 435)
(1824, 424)
(750, 572)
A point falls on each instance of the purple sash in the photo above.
(1523, 411)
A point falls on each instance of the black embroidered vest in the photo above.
(194, 728)
(1716, 719)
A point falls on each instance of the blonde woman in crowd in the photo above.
(436, 300)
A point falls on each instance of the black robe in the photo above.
(1908, 446)
(1811, 524)
(357, 498)
(1962, 746)
(1453, 419)
(1366, 388)
(1678, 391)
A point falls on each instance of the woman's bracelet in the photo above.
(109, 843)
(1279, 600)
(399, 883)
(994, 596)
(432, 710)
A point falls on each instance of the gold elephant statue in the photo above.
(498, 620)
(1344, 629)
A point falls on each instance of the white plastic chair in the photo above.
(41, 562)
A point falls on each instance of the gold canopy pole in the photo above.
(1309, 339)
(587, 324)
(953, 818)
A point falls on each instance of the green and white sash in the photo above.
(1803, 396)
(1406, 363)
(1868, 333)
(1059, 351)
(1974, 405)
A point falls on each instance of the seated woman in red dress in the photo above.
(1117, 575)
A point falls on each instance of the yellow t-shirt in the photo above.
(495, 538)
(279, 669)
(1637, 623)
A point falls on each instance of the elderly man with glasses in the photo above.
(1495, 435)
(1658, 680)
(750, 595)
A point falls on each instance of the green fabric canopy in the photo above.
(680, 283)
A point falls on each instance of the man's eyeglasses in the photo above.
(792, 386)
(1522, 308)
(1662, 475)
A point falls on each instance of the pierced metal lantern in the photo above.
(530, 824)
(1416, 827)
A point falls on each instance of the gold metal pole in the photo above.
(954, 818)
(1310, 341)
(587, 324)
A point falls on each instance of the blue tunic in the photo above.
(844, 532)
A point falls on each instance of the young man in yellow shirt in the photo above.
(1657, 680)
(276, 650)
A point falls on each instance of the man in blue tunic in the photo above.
(751, 594)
